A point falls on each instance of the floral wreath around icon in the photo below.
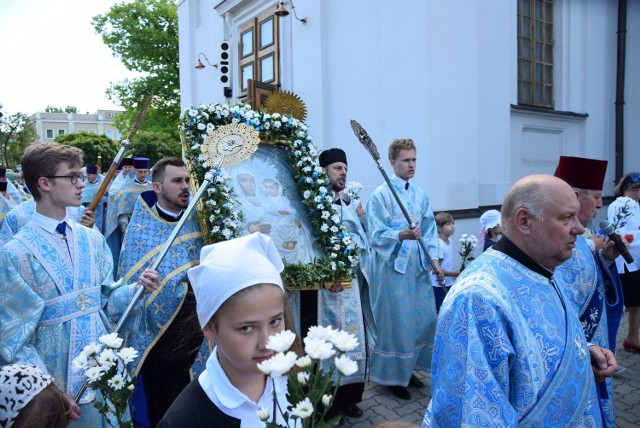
(223, 212)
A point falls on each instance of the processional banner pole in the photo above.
(124, 145)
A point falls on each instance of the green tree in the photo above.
(67, 109)
(144, 35)
(155, 146)
(92, 145)
(17, 133)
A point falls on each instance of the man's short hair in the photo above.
(157, 174)
(400, 144)
(530, 195)
(43, 159)
(443, 218)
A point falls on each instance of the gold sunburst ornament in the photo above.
(287, 103)
(235, 141)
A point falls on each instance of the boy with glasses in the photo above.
(56, 287)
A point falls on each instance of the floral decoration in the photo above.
(310, 389)
(223, 212)
(468, 243)
(106, 372)
(353, 190)
(620, 219)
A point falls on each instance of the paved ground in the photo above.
(380, 405)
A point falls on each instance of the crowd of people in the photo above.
(523, 335)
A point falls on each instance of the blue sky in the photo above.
(41, 59)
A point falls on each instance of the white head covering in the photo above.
(19, 383)
(490, 219)
(230, 266)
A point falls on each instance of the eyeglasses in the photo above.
(72, 177)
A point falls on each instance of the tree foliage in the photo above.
(155, 146)
(92, 145)
(144, 35)
(17, 133)
(67, 109)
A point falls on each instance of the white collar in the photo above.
(400, 181)
(232, 401)
(49, 224)
(169, 213)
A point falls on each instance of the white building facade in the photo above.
(445, 73)
(50, 125)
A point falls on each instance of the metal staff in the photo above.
(208, 179)
(125, 144)
(369, 145)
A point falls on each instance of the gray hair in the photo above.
(530, 195)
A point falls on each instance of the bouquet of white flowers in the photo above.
(310, 389)
(620, 220)
(353, 190)
(468, 243)
(106, 371)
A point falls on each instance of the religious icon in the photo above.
(271, 204)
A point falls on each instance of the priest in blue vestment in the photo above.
(589, 279)
(120, 206)
(509, 348)
(340, 307)
(173, 341)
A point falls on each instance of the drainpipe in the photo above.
(620, 73)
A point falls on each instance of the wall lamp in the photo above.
(199, 65)
(282, 11)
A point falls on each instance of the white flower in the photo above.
(345, 342)
(303, 377)
(326, 399)
(116, 382)
(263, 414)
(79, 363)
(303, 362)
(202, 126)
(303, 409)
(281, 341)
(94, 373)
(111, 340)
(91, 349)
(107, 358)
(318, 349)
(346, 365)
(279, 364)
(127, 355)
(90, 395)
(306, 194)
(131, 387)
(321, 332)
